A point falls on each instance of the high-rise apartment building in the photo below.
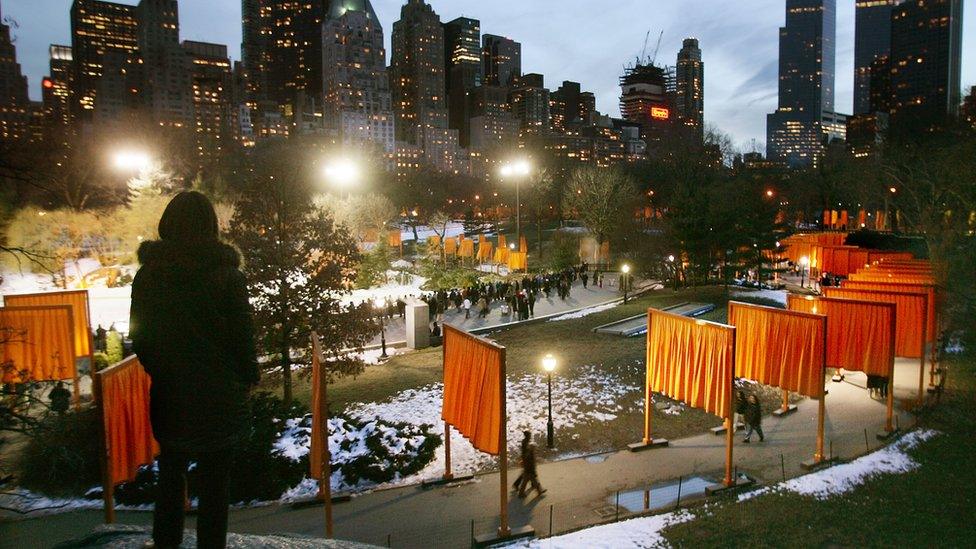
(104, 36)
(795, 132)
(492, 123)
(530, 103)
(166, 89)
(872, 48)
(215, 112)
(926, 60)
(14, 103)
(502, 60)
(690, 86)
(358, 103)
(463, 71)
(569, 105)
(968, 110)
(417, 71)
(57, 86)
(282, 48)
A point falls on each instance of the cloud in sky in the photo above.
(581, 40)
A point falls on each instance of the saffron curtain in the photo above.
(501, 242)
(523, 245)
(450, 246)
(860, 335)
(433, 241)
(780, 348)
(501, 255)
(467, 248)
(394, 239)
(37, 344)
(518, 261)
(473, 369)
(910, 311)
(890, 277)
(691, 361)
(929, 290)
(76, 299)
(484, 249)
(124, 395)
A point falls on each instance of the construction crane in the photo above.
(657, 47)
(644, 51)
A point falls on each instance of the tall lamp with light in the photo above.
(549, 365)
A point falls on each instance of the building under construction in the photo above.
(648, 98)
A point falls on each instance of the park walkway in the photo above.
(579, 298)
(580, 490)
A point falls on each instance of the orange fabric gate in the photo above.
(37, 344)
(122, 393)
(781, 348)
(76, 299)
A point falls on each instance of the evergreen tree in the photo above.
(299, 264)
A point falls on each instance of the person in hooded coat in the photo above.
(192, 330)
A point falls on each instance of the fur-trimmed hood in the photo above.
(165, 253)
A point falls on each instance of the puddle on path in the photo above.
(661, 495)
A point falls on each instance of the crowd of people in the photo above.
(514, 298)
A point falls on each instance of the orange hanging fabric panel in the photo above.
(523, 245)
(124, 394)
(467, 248)
(691, 361)
(37, 344)
(394, 238)
(860, 334)
(472, 388)
(927, 289)
(910, 314)
(317, 444)
(450, 246)
(780, 348)
(76, 299)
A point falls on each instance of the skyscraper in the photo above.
(214, 110)
(463, 71)
(569, 105)
(14, 102)
(502, 59)
(530, 103)
(690, 91)
(56, 88)
(358, 104)
(795, 132)
(282, 50)
(167, 95)
(417, 71)
(872, 47)
(103, 35)
(926, 60)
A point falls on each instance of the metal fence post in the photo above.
(677, 504)
(782, 465)
(550, 520)
(617, 506)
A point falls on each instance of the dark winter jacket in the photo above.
(753, 414)
(191, 327)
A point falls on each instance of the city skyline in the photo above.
(738, 93)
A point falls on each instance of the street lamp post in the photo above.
(804, 263)
(549, 364)
(517, 170)
(380, 305)
(626, 279)
(674, 271)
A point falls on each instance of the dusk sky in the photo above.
(579, 40)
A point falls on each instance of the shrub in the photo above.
(101, 361)
(62, 455)
(114, 350)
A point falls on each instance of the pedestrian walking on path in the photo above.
(741, 404)
(526, 440)
(467, 308)
(192, 331)
(753, 418)
(530, 474)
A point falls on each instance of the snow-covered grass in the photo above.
(779, 296)
(591, 396)
(585, 312)
(638, 532)
(840, 479)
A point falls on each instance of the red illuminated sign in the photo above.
(47, 83)
(660, 113)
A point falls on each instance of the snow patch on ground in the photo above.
(24, 502)
(585, 312)
(638, 532)
(779, 296)
(840, 479)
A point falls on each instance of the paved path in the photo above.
(578, 488)
(579, 298)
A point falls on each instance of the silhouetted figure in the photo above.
(753, 418)
(192, 330)
(60, 398)
(101, 341)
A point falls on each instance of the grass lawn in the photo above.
(576, 345)
(934, 506)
